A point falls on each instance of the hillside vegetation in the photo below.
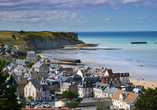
(21, 39)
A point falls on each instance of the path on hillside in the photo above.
(22, 39)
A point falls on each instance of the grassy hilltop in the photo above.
(21, 39)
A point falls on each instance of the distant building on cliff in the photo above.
(31, 56)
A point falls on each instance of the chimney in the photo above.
(19, 78)
(109, 86)
(126, 93)
(120, 74)
(87, 82)
(106, 80)
(91, 82)
(111, 79)
(99, 77)
(71, 83)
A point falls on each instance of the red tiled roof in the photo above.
(129, 98)
(39, 109)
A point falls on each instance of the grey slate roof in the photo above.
(21, 84)
(111, 90)
(63, 78)
(100, 85)
(65, 69)
(38, 64)
(94, 79)
(45, 88)
(76, 78)
(36, 83)
(84, 82)
(21, 77)
(66, 85)
(30, 52)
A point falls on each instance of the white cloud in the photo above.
(123, 19)
(154, 16)
(142, 17)
(42, 24)
(26, 25)
(148, 25)
(145, 17)
(115, 8)
(129, 1)
(107, 19)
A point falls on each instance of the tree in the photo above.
(30, 64)
(148, 100)
(70, 99)
(13, 36)
(30, 98)
(8, 98)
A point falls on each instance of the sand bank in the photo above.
(145, 83)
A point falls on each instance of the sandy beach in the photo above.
(145, 83)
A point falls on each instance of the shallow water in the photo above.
(127, 59)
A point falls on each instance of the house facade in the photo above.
(85, 87)
(68, 86)
(46, 93)
(33, 89)
(31, 56)
(40, 67)
(125, 100)
(102, 90)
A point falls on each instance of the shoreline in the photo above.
(78, 47)
(145, 83)
(117, 65)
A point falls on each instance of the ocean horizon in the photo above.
(126, 59)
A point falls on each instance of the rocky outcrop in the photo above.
(37, 43)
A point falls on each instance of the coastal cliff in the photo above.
(39, 40)
(37, 44)
(60, 40)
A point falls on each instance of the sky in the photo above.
(78, 15)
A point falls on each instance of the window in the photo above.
(45, 98)
(85, 89)
(33, 94)
(89, 89)
(38, 89)
(26, 88)
(29, 89)
(26, 93)
(45, 93)
(37, 94)
(29, 93)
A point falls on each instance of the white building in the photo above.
(125, 100)
(102, 90)
(85, 87)
(33, 89)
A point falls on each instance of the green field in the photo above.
(22, 38)
(6, 34)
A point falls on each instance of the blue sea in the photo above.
(126, 59)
